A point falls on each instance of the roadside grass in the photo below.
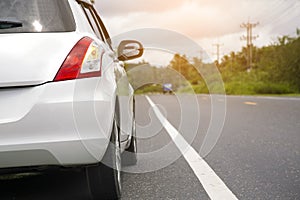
(153, 88)
(231, 88)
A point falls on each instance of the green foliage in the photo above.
(153, 88)
(275, 70)
(195, 89)
(252, 88)
(273, 88)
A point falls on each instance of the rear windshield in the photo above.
(31, 16)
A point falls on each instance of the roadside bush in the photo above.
(197, 89)
(155, 88)
(273, 88)
(239, 88)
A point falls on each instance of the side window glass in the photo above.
(102, 27)
(93, 22)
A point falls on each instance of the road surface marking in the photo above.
(250, 103)
(213, 185)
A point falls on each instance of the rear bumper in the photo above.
(63, 123)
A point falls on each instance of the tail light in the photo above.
(83, 61)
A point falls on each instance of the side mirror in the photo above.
(130, 49)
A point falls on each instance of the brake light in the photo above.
(83, 61)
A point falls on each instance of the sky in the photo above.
(206, 22)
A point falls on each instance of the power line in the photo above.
(249, 38)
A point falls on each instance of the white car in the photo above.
(64, 97)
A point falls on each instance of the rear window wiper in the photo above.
(7, 23)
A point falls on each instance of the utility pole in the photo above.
(201, 54)
(249, 26)
(218, 45)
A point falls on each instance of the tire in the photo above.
(104, 179)
(129, 156)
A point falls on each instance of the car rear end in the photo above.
(57, 88)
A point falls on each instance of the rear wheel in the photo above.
(104, 180)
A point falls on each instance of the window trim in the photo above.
(100, 25)
(98, 32)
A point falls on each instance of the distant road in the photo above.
(256, 157)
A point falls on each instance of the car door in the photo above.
(124, 92)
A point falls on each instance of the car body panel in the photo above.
(61, 123)
(55, 122)
(32, 59)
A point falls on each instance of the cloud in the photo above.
(124, 7)
(197, 19)
(204, 20)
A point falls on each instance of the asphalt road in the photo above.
(257, 154)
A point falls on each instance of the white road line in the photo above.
(250, 103)
(213, 185)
